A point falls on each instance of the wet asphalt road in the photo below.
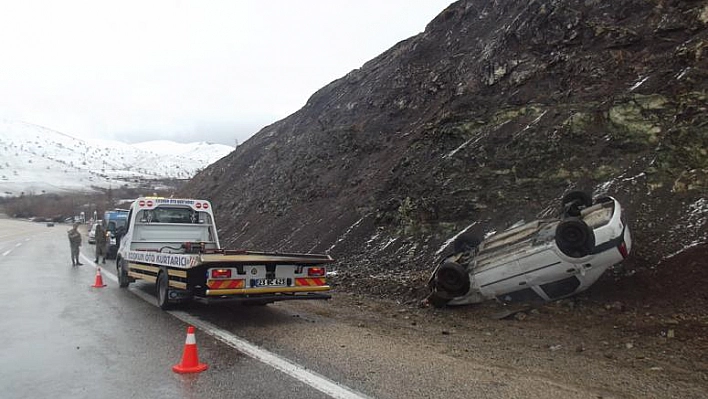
(63, 338)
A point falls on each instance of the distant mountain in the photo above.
(34, 159)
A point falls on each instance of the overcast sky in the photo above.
(186, 70)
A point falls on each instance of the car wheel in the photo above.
(574, 201)
(162, 291)
(452, 279)
(575, 238)
(122, 271)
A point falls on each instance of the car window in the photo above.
(561, 288)
(523, 295)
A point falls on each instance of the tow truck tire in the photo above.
(452, 279)
(162, 286)
(122, 272)
(575, 238)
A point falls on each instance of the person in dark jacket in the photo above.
(101, 242)
(75, 243)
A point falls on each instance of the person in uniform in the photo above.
(75, 243)
(101, 242)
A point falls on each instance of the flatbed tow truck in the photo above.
(174, 244)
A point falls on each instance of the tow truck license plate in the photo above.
(270, 282)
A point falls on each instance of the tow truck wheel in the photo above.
(162, 288)
(122, 272)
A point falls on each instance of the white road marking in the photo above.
(311, 378)
(90, 261)
(6, 252)
(18, 244)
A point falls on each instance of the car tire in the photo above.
(575, 238)
(452, 279)
(122, 272)
(574, 201)
(162, 288)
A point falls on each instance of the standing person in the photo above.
(75, 243)
(101, 242)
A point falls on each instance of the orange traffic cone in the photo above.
(190, 358)
(99, 279)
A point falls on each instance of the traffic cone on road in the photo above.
(99, 279)
(190, 358)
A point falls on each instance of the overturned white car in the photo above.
(546, 259)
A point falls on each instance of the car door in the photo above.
(499, 276)
(548, 275)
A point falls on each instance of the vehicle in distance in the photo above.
(546, 259)
(174, 244)
(114, 220)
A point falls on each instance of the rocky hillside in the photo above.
(487, 117)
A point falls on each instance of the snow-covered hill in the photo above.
(36, 159)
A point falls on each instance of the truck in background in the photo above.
(113, 220)
(174, 244)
